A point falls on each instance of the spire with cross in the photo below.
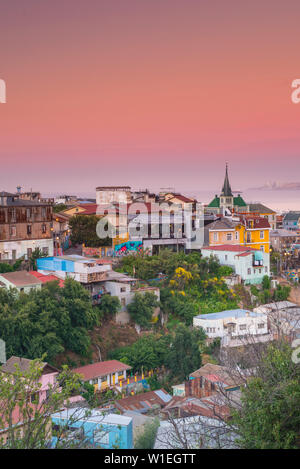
(226, 191)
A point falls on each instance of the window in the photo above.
(262, 235)
(243, 327)
(13, 215)
(248, 237)
(44, 228)
(123, 302)
(29, 229)
(29, 252)
(229, 236)
(123, 289)
(262, 248)
(266, 270)
(13, 231)
(261, 325)
(226, 257)
(43, 212)
(215, 236)
(28, 213)
(45, 251)
(249, 271)
(236, 235)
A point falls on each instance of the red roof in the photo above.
(183, 198)
(46, 278)
(137, 402)
(258, 222)
(96, 370)
(89, 209)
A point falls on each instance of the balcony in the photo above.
(258, 259)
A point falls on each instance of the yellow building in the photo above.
(225, 231)
(248, 231)
(261, 210)
(103, 375)
(81, 209)
(256, 233)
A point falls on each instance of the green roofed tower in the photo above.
(226, 200)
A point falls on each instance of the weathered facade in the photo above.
(24, 226)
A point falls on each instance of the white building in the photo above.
(232, 323)
(250, 264)
(98, 278)
(113, 194)
(283, 317)
(22, 280)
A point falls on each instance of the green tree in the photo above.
(109, 306)
(36, 254)
(146, 438)
(26, 415)
(269, 417)
(184, 355)
(4, 267)
(142, 307)
(59, 208)
(51, 320)
(83, 231)
(147, 353)
(266, 282)
(282, 292)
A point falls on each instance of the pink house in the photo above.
(47, 379)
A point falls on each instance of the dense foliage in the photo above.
(184, 355)
(109, 306)
(266, 295)
(146, 438)
(147, 353)
(4, 267)
(83, 231)
(47, 321)
(179, 352)
(142, 307)
(189, 284)
(22, 401)
(270, 417)
(59, 208)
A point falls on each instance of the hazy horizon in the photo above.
(150, 94)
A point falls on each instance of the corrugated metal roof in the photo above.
(165, 397)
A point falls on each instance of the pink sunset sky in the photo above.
(150, 93)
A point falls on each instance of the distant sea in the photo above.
(278, 200)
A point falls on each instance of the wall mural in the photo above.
(124, 248)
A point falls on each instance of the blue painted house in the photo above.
(110, 431)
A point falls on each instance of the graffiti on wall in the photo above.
(98, 252)
(130, 246)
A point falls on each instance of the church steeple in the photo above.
(226, 191)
